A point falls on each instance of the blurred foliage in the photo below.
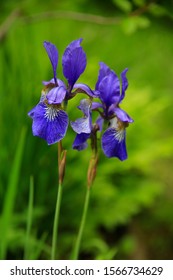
(130, 214)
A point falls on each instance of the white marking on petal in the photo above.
(119, 128)
(51, 113)
(119, 135)
(114, 122)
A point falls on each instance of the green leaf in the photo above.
(11, 193)
(27, 248)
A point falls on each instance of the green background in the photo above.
(130, 213)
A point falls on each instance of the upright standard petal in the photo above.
(113, 143)
(53, 56)
(49, 122)
(103, 72)
(80, 142)
(85, 107)
(74, 62)
(124, 85)
(109, 89)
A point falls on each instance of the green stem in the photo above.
(82, 225)
(61, 171)
(56, 222)
(29, 219)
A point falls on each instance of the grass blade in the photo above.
(11, 193)
(27, 249)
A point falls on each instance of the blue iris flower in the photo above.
(50, 121)
(111, 94)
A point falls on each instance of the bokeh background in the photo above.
(131, 209)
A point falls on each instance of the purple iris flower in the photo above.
(111, 94)
(82, 126)
(50, 121)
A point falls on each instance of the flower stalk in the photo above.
(75, 254)
(51, 119)
(61, 172)
(91, 174)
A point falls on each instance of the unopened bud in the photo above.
(92, 170)
(62, 165)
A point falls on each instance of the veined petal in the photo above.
(31, 112)
(109, 89)
(83, 88)
(75, 44)
(85, 107)
(49, 123)
(83, 125)
(103, 72)
(122, 115)
(96, 105)
(73, 61)
(113, 143)
(46, 83)
(59, 82)
(124, 84)
(53, 55)
(56, 95)
(80, 141)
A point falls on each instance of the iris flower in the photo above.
(111, 95)
(82, 126)
(50, 121)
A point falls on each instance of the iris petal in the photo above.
(51, 128)
(113, 144)
(85, 106)
(83, 125)
(80, 141)
(103, 72)
(53, 56)
(74, 62)
(100, 122)
(124, 84)
(96, 105)
(121, 114)
(109, 89)
(56, 95)
(59, 82)
(84, 89)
